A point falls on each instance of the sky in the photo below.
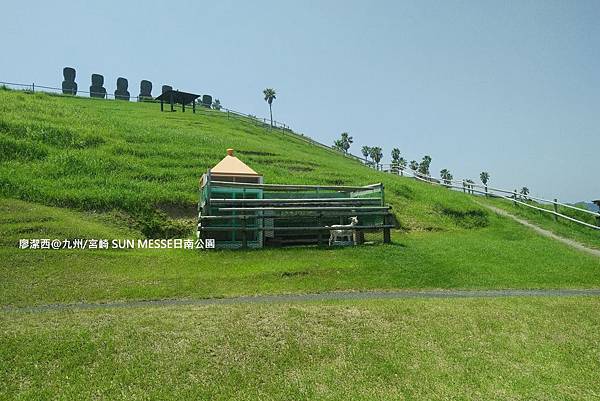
(508, 87)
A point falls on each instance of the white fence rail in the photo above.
(515, 197)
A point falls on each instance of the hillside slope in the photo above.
(125, 170)
(587, 236)
(101, 155)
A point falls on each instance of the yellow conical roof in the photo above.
(231, 165)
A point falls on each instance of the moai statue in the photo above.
(145, 91)
(69, 86)
(121, 92)
(166, 88)
(207, 101)
(97, 89)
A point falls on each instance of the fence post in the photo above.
(386, 230)
(33, 87)
(464, 187)
(515, 197)
(555, 209)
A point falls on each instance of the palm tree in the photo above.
(376, 154)
(337, 145)
(446, 176)
(366, 151)
(346, 141)
(269, 97)
(524, 193)
(395, 160)
(424, 165)
(414, 165)
(402, 164)
(484, 177)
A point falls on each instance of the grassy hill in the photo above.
(98, 155)
(87, 168)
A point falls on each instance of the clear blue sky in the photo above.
(508, 87)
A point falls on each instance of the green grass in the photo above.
(100, 155)
(19, 219)
(469, 349)
(565, 228)
(500, 255)
(109, 169)
(82, 168)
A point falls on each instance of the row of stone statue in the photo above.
(69, 87)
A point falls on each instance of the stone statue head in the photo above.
(69, 74)
(69, 86)
(97, 80)
(97, 89)
(122, 84)
(145, 88)
(121, 92)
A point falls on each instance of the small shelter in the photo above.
(238, 210)
(228, 226)
(176, 97)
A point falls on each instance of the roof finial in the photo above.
(230, 152)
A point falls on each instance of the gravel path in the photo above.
(544, 232)
(325, 296)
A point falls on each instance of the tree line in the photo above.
(374, 154)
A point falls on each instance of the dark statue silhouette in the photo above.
(207, 101)
(122, 93)
(69, 86)
(97, 89)
(145, 90)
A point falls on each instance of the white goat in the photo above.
(341, 232)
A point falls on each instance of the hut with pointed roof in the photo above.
(218, 189)
(237, 210)
(232, 169)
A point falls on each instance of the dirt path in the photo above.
(544, 232)
(325, 296)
